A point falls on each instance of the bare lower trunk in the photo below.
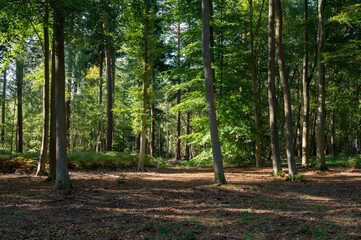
(216, 146)
(333, 144)
(255, 92)
(187, 151)
(68, 96)
(152, 132)
(167, 143)
(19, 92)
(100, 100)
(62, 176)
(52, 143)
(3, 111)
(108, 65)
(292, 170)
(159, 140)
(305, 87)
(178, 143)
(321, 120)
(44, 144)
(141, 162)
(276, 159)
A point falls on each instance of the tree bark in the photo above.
(3, 111)
(178, 143)
(276, 159)
(257, 119)
(321, 116)
(306, 95)
(62, 181)
(187, 150)
(292, 169)
(68, 95)
(152, 131)
(108, 65)
(216, 146)
(52, 143)
(45, 138)
(159, 139)
(100, 100)
(333, 144)
(141, 162)
(19, 94)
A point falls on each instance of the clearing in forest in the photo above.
(176, 203)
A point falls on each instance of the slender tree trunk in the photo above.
(3, 111)
(159, 139)
(333, 144)
(306, 95)
(292, 169)
(145, 83)
(167, 143)
(276, 159)
(100, 100)
(152, 131)
(187, 151)
(178, 143)
(108, 65)
(321, 120)
(216, 146)
(19, 91)
(12, 127)
(45, 139)
(62, 181)
(255, 91)
(52, 143)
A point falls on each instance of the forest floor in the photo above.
(178, 203)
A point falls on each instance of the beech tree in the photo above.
(216, 146)
(62, 180)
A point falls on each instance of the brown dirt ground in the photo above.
(175, 203)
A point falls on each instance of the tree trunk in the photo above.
(276, 159)
(333, 144)
(19, 94)
(167, 143)
(159, 139)
(62, 181)
(3, 111)
(216, 146)
(145, 83)
(108, 65)
(306, 95)
(52, 143)
(152, 131)
(68, 95)
(44, 144)
(255, 91)
(187, 151)
(178, 143)
(100, 100)
(321, 116)
(292, 169)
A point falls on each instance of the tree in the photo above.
(292, 170)
(144, 91)
(100, 100)
(257, 119)
(19, 94)
(305, 87)
(62, 181)
(3, 110)
(216, 146)
(321, 112)
(45, 138)
(108, 71)
(276, 159)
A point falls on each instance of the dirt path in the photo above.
(178, 203)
